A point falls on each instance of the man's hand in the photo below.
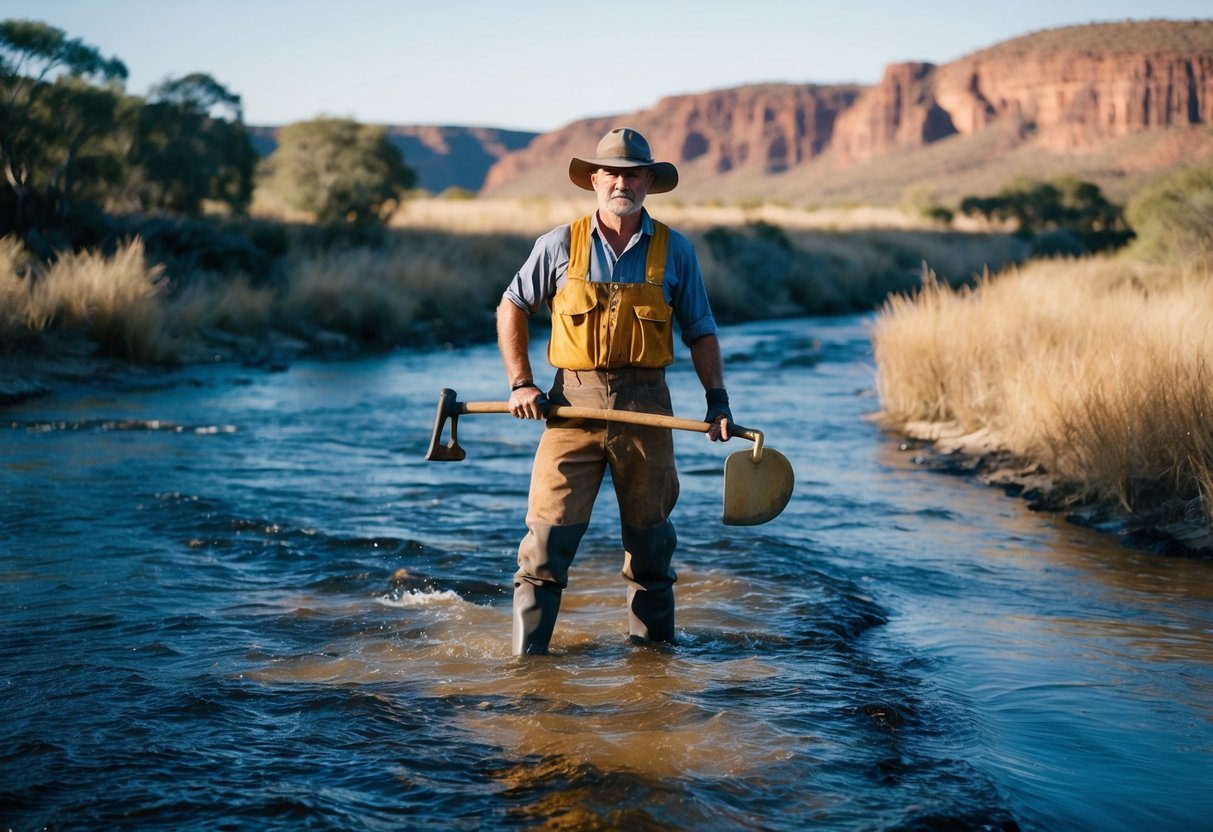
(719, 414)
(528, 402)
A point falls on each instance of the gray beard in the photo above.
(619, 210)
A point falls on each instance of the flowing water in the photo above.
(232, 598)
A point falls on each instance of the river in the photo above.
(233, 598)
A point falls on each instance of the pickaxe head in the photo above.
(448, 408)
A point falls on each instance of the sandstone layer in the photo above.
(1068, 91)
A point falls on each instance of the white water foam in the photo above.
(423, 598)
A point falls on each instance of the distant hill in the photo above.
(1114, 103)
(443, 157)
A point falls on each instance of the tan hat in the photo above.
(624, 148)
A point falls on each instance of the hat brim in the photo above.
(665, 175)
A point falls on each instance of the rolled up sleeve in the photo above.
(688, 295)
(536, 281)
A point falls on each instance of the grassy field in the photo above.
(436, 275)
(1098, 372)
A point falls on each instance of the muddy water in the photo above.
(232, 598)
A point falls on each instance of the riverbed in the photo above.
(240, 598)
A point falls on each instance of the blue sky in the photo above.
(536, 65)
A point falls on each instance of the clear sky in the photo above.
(537, 64)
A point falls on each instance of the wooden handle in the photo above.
(564, 411)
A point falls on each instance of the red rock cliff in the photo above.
(1071, 88)
(773, 126)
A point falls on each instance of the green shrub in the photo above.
(1173, 216)
(1071, 205)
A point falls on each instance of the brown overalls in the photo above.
(610, 343)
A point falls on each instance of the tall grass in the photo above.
(115, 299)
(1099, 370)
(415, 285)
(419, 288)
(410, 289)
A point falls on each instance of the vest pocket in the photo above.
(574, 341)
(652, 338)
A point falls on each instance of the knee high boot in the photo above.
(647, 556)
(651, 614)
(544, 558)
(535, 609)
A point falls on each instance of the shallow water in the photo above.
(239, 599)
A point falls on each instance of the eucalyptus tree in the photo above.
(338, 170)
(51, 119)
(191, 145)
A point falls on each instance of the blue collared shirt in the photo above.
(543, 274)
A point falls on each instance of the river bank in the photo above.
(946, 447)
(1082, 384)
(45, 363)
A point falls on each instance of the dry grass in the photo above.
(1099, 370)
(115, 299)
(439, 280)
(414, 288)
(418, 288)
(536, 215)
(232, 304)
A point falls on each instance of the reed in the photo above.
(1098, 370)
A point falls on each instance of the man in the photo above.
(615, 281)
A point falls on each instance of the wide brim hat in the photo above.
(624, 148)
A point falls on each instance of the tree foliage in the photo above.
(190, 145)
(1173, 216)
(1070, 206)
(49, 116)
(338, 170)
(73, 145)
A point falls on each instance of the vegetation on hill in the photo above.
(1129, 36)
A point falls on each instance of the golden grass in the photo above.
(533, 216)
(428, 288)
(116, 299)
(1099, 370)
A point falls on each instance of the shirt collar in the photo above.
(646, 223)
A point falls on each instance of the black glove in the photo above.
(718, 405)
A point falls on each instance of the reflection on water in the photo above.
(243, 599)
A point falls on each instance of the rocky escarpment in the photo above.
(771, 126)
(1084, 90)
(1069, 90)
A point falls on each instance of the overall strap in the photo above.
(579, 249)
(654, 266)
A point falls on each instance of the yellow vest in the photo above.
(605, 326)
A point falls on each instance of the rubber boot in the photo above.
(535, 612)
(544, 557)
(646, 568)
(651, 615)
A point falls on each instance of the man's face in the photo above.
(621, 191)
